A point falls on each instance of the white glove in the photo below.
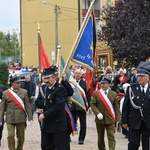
(0, 100)
(100, 116)
(0, 123)
(30, 122)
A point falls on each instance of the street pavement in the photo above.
(32, 137)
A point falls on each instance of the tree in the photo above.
(9, 46)
(127, 30)
(4, 74)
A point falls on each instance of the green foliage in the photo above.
(9, 46)
(127, 31)
(4, 74)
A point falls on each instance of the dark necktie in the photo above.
(105, 93)
(143, 92)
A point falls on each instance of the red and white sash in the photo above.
(106, 103)
(16, 99)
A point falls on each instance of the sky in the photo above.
(10, 15)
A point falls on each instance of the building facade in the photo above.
(59, 24)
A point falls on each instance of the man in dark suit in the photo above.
(133, 78)
(51, 99)
(136, 112)
(106, 109)
(30, 87)
(76, 110)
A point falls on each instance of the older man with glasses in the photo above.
(136, 112)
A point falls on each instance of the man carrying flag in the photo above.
(105, 107)
(76, 110)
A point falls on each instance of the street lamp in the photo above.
(56, 11)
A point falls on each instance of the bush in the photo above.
(4, 74)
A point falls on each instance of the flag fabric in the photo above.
(84, 53)
(88, 76)
(85, 47)
(76, 97)
(43, 59)
(61, 67)
(72, 122)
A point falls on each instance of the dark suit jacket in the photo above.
(54, 108)
(32, 87)
(132, 116)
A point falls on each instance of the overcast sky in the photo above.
(9, 15)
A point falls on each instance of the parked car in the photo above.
(21, 75)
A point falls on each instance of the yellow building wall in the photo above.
(34, 11)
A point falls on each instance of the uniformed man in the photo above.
(16, 104)
(136, 112)
(52, 100)
(106, 109)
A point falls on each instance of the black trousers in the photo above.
(1, 129)
(82, 118)
(53, 141)
(134, 137)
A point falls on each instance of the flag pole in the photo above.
(58, 55)
(39, 58)
(77, 38)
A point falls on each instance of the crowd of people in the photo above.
(61, 102)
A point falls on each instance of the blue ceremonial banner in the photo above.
(85, 47)
(73, 124)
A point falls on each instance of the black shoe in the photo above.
(81, 142)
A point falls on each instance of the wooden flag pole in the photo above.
(77, 39)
